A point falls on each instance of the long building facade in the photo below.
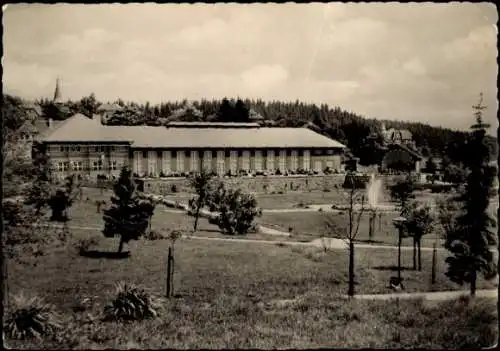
(87, 148)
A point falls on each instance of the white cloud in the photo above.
(415, 66)
(264, 77)
(388, 60)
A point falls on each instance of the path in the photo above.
(329, 243)
(430, 296)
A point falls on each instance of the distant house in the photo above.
(393, 135)
(401, 158)
(401, 154)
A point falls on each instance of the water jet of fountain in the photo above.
(373, 192)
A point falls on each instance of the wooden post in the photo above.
(400, 229)
(169, 273)
(433, 273)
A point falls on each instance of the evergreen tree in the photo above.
(470, 238)
(128, 217)
(200, 183)
(241, 112)
(62, 200)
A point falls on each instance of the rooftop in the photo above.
(80, 128)
(212, 124)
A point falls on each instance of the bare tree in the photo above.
(356, 197)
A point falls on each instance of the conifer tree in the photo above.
(471, 236)
(129, 216)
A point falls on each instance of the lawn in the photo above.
(224, 289)
(312, 225)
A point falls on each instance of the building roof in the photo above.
(80, 128)
(177, 124)
(411, 151)
(397, 135)
(33, 107)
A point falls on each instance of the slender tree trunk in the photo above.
(419, 244)
(120, 246)
(399, 255)
(351, 268)
(414, 253)
(196, 216)
(434, 256)
(473, 282)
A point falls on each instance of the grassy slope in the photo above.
(214, 280)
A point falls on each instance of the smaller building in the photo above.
(401, 158)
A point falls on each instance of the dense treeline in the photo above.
(360, 134)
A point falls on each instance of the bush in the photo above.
(237, 210)
(132, 303)
(31, 318)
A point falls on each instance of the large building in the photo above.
(88, 148)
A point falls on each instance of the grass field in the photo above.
(243, 295)
(312, 225)
(224, 288)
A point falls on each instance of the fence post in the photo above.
(169, 278)
(433, 273)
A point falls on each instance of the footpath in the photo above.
(430, 296)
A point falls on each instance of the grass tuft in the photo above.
(31, 318)
(132, 303)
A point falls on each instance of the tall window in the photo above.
(294, 160)
(282, 160)
(258, 160)
(195, 162)
(270, 160)
(306, 157)
(245, 161)
(180, 161)
(166, 159)
(221, 162)
(113, 166)
(207, 161)
(233, 161)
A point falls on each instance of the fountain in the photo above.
(374, 189)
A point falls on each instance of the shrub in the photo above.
(31, 318)
(237, 210)
(326, 190)
(132, 303)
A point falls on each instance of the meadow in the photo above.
(235, 295)
(231, 294)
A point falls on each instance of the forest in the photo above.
(362, 135)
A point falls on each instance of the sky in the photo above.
(412, 62)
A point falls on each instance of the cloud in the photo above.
(210, 30)
(264, 77)
(413, 62)
(415, 67)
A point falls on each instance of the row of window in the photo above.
(240, 153)
(94, 148)
(78, 166)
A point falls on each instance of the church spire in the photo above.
(57, 92)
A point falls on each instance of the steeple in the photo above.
(57, 92)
